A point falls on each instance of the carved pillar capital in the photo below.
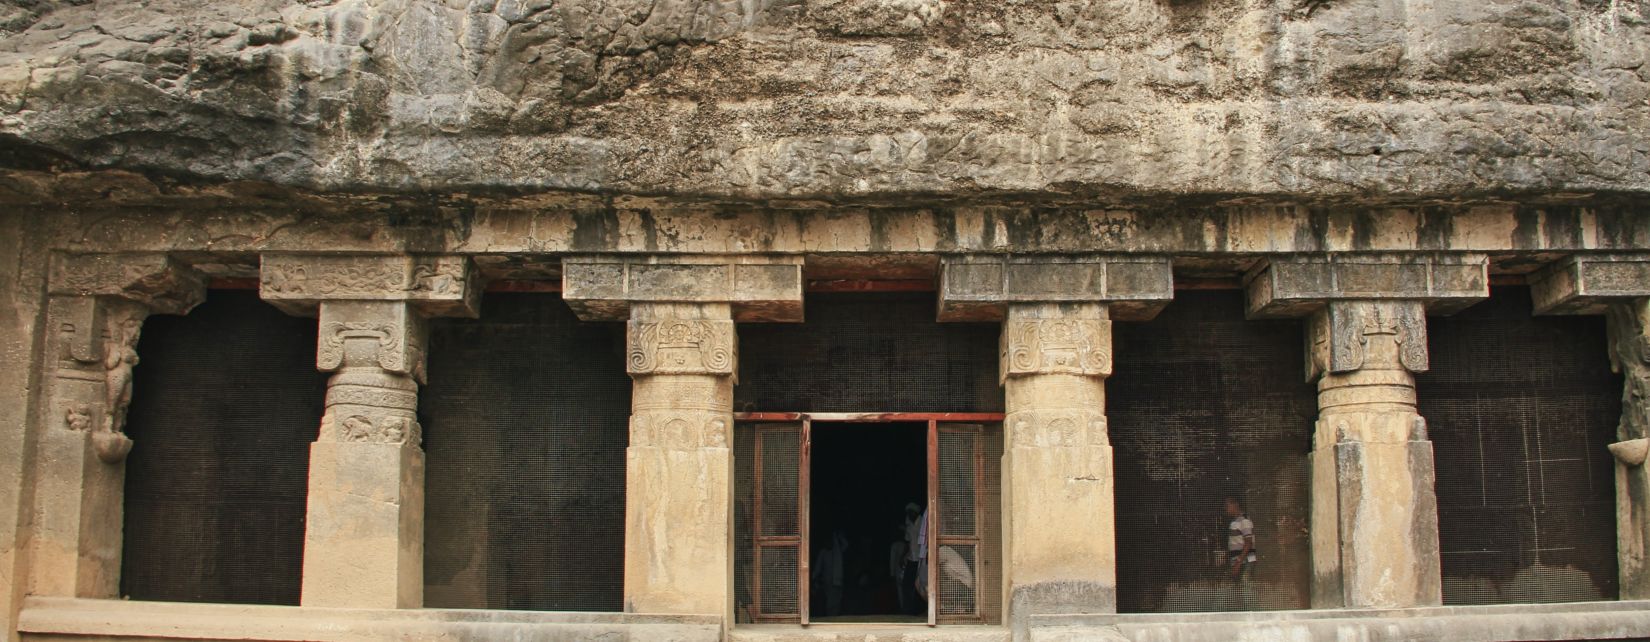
(1050, 340)
(658, 346)
(1347, 336)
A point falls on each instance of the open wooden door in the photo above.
(966, 578)
(773, 563)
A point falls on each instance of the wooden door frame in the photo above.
(805, 484)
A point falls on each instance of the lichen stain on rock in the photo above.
(841, 99)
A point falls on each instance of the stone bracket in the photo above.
(1297, 285)
(759, 287)
(1588, 283)
(437, 285)
(975, 287)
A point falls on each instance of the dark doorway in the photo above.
(863, 478)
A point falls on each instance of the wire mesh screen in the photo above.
(1204, 405)
(526, 421)
(959, 476)
(863, 352)
(225, 404)
(1520, 409)
(968, 558)
(767, 465)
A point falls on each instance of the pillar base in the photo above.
(364, 541)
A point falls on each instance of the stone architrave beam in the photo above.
(364, 534)
(981, 287)
(1617, 286)
(1056, 352)
(96, 306)
(759, 287)
(1374, 508)
(682, 352)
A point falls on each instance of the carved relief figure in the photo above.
(119, 358)
(78, 417)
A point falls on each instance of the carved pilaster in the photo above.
(97, 305)
(1629, 328)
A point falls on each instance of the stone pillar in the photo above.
(1058, 520)
(364, 534)
(1374, 511)
(1618, 286)
(681, 352)
(95, 310)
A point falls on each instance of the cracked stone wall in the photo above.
(873, 100)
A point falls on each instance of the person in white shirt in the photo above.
(1240, 540)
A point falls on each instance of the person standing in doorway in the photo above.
(828, 572)
(908, 573)
(1240, 549)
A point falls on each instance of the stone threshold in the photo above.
(868, 632)
(67, 619)
(1620, 620)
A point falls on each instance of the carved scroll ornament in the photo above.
(336, 335)
(681, 346)
(1346, 334)
(1056, 346)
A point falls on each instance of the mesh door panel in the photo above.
(865, 352)
(1520, 410)
(1203, 405)
(525, 426)
(958, 579)
(226, 402)
(767, 460)
(969, 508)
(959, 470)
(780, 452)
(778, 572)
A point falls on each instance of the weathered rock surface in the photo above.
(874, 100)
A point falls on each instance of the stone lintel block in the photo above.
(160, 282)
(1588, 283)
(1297, 285)
(977, 287)
(759, 287)
(437, 285)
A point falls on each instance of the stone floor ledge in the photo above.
(1623, 620)
(69, 619)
